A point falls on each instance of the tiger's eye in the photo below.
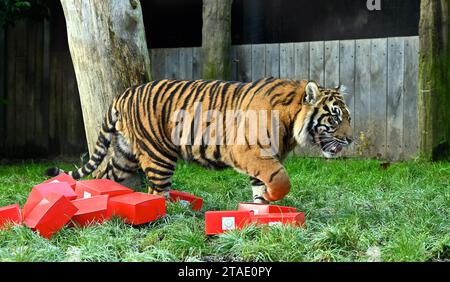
(335, 119)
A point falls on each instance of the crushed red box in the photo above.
(294, 218)
(138, 208)
(90, 210)
(217, 222)
(10, 214)
(97, 187)
(50, 214)
(62, 177)
(40, 191)
(185, 198)
(263, 208)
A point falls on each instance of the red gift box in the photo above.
(50, 214)
(90, 210)
(97, 187)
(40, 191)
(186, 198)
(294, 218)
(217, 222)
(138, 208)
(62, 177)
(263, 209)
(10, 214)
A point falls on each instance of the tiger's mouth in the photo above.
(330, 146)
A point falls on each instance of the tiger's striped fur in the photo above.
(140, 122)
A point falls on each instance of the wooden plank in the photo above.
(410, 111)
(197, 68)
(316, 62)
(21, 38)
(70, 115)
(64, 111)
(52, 122)
(272, 60)
(172, 63)
(60, 97)
(9, 144)
(39, 47)
(301, 61)
(20, 122)
(258, 61)
(2, 88)
(362, 98)
(394, 103)
(378, 95)
(331, 63)
(158, 63)
(43, 90)
(31, 75)
(21, 95)
(185, 65)
(347, 81)
(59, 135)
(244, 63)
(287, 64)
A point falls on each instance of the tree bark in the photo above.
(216, 39)
(434, 80)
(109, 53)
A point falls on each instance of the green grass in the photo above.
(355, 211)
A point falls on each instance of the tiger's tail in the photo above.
(101, 148)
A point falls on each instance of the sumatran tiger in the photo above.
(250, 127)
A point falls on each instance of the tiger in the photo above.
(142, 124)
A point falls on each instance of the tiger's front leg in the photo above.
(159, 176)
(273, 175)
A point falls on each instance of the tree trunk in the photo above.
(216, 39)
(434, 79)
(109, 53)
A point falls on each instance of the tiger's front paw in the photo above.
(260, 200)
(164, 193)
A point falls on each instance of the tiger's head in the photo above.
(324, 120)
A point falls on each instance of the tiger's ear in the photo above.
(312, 92)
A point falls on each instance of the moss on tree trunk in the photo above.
(434, 80)
(216, 39)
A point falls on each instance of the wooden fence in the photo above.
(380, 77)
(40, 113)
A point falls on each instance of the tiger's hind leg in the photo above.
(159, 175)
(123, 164)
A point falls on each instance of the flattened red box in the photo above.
(263, 209)
(138, 208)
(97, 187)
(90, 210)
(40, 191)
(62, 177)
(186, 198)
(294, 218)
(10, 214)
(217, 222)
(50, 215)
